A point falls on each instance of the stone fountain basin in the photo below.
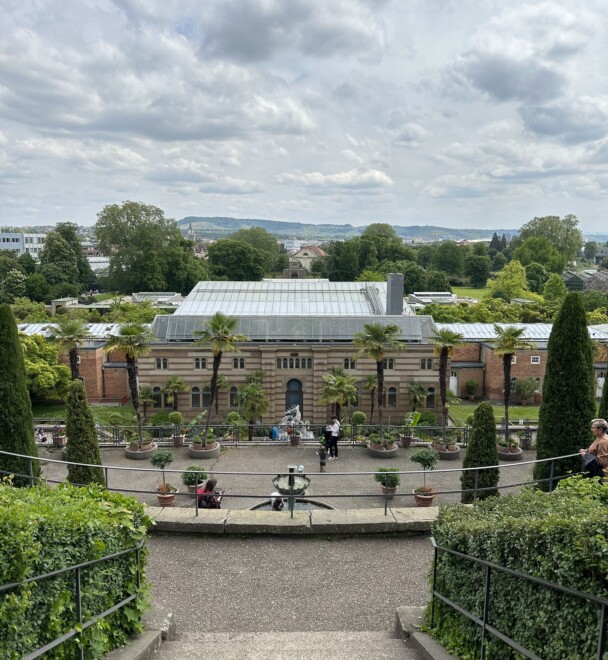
(300, 504)
(300, 484)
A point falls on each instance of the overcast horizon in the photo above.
(454, 114)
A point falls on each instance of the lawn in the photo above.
(100, 297)
(460, 413)
(101, 414)
(470, 292)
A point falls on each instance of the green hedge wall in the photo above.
(561, 537)
(42, 530)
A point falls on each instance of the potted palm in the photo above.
(176, 418)
(389, 479)
(205, 447)
(165, 491)
(427, 458)
(382, 445)
(409, 422)
(471, 388)
(193, 477)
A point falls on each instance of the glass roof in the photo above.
(538, 331)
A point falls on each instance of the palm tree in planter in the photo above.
(427, 459)
(69, 334)
(254, 404)
(338, 391)
(370, 383)
(133, 340)
(173, 387)
(374, 342)
(165, 492)
(219, 334)
(506, 344)
(193, 477)
(389, 479)
(417, 393)
(445, 341)
(146, 397)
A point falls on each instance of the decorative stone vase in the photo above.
(450, 454)
(204, 452)
(509, 455)
(424, 500)
(140, 454)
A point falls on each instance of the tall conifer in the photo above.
(568, 403)
(16, 421)
(81, 435)
(481, 452)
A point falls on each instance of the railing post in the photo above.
(79, 613)
(434, 584)
(30, 470)
(486, 613)
(601, 644)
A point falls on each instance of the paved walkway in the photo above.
(333, 486)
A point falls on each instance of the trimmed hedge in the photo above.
(561, 537)
(42, 530)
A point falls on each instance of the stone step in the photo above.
(330, 645)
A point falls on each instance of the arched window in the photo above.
(430, 398)
(196, 397)
(206, 397)
(291, 363)
(157, 396)
(285, 363)
(392, 397)
(234, 397)
(279, 362)
(309, 363)
(297, 363)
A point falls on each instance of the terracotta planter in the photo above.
(389, 492)
(424, 500)
(376, 446)
(166, 499)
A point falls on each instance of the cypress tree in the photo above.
(16, 420)
(603, 409)
(481, 452)
(568, 403)
(81, 436)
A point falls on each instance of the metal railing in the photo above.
(80, 625)
(484, 621)
(385, 497)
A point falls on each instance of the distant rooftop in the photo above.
(532, 331)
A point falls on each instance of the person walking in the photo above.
(333, 439)
(596, 455)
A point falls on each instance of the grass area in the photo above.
(470, 292)
(101, 414)
(460, 412)
(100, 297)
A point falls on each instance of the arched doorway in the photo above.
(293, 394)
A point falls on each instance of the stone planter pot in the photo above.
(382, 452)
(511, 456)
(205, 452)
(449, 454)
(179, 440)
(138, 454)
(424, 500)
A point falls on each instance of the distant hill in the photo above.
(221, 227)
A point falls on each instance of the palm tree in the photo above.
(174, 385)
(339, 390)
(254, 403)
(70, 334)
(146, 397)
(370, 383)
(445, 341)
(418, 393)
(219, 335)
(507, 342)
(133, 340)
(374, 342)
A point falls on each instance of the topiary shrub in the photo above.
(561, 537)
(427, 419)
(481, 452)
(160, 418)
(43, 530)
(359, 418)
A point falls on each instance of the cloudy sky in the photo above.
(459, 113)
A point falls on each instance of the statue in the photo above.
(292, 422)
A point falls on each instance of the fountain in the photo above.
(291, 426)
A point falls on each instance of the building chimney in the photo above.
(394, 294)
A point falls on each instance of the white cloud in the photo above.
(353, 179)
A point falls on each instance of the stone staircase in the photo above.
(330, 645)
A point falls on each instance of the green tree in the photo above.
(417, 394)
(16, 420)
(146, 397)
(70, 334)
(508, 341)
(537, 275)
(342, 261)
(37, 288)
(370, 383)
(183, 269)
(374, 342)
(46, 377)
(449, 258)
(173, 387)
(563, 233)
(538, 249)
(12, 285)
(126, 312)
(133, 340)
(495, 243)
(445, 343)
(437, 281)
(370, 276)
(414, 277)
(26, 311)
(590, 250)
(481, 453)
(274, 256)
(568, 403)
(338, 390)
(27, 263)
(477, 268)
(499, 261)
(58, 261)
(254, 404)
(69, 232)
(234, 260)
(219, 334)
(511, 282)
(81, 434)
(555, 289)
